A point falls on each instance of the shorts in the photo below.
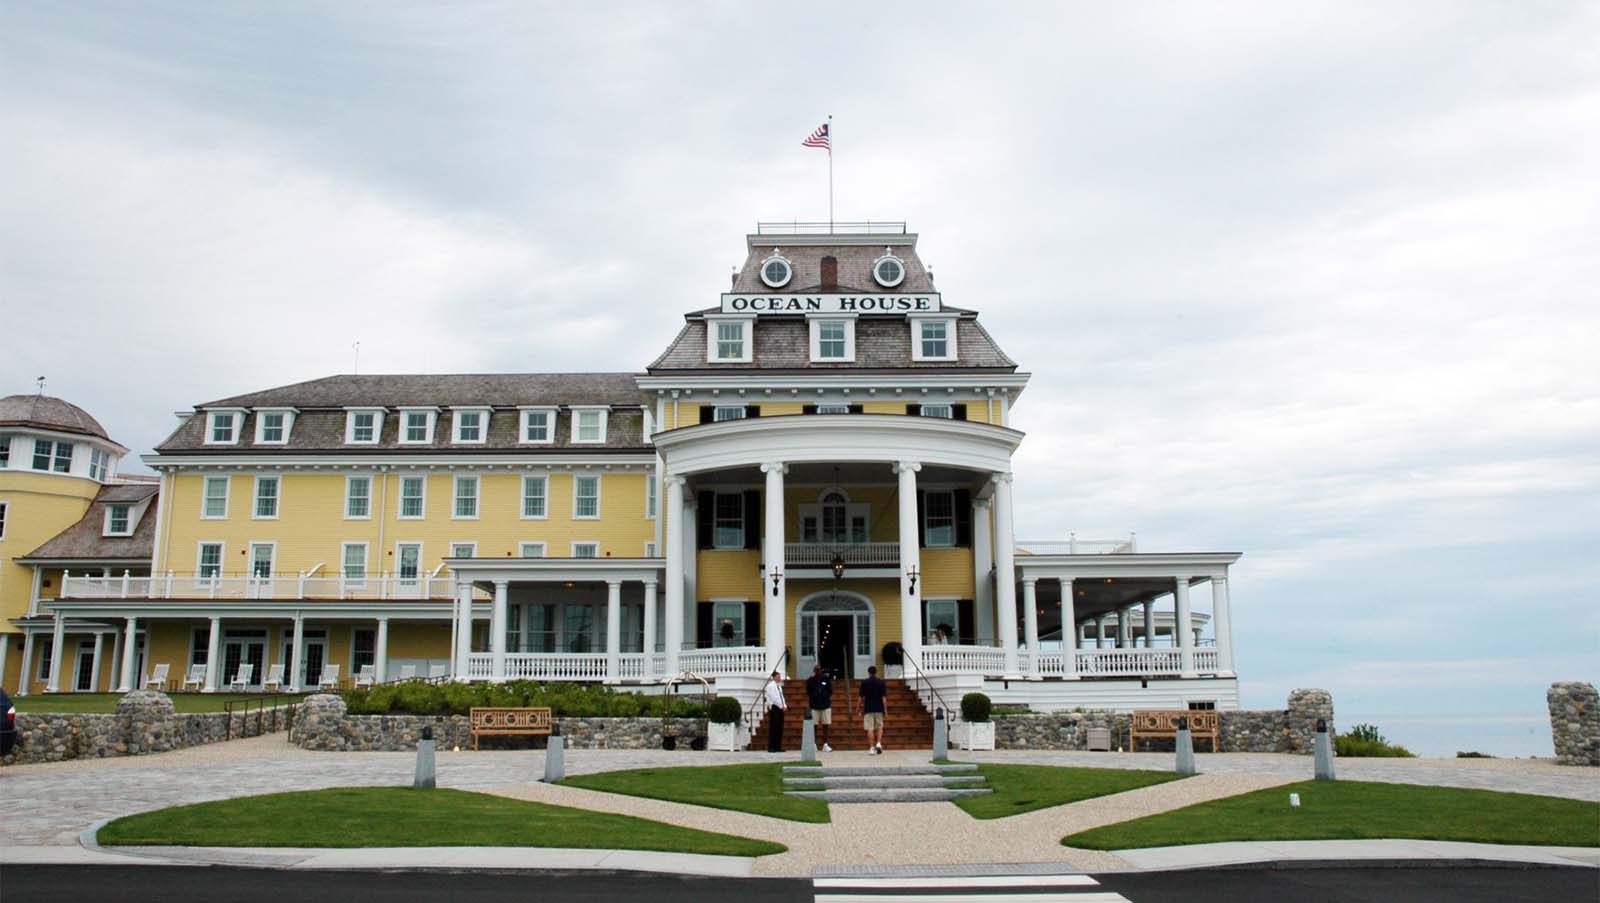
(822, 716)
(872, 721)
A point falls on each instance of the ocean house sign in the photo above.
(830, 304)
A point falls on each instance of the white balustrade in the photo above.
(725, 662)
(554, 665)
(1128, 662)
(1205, 660)
(963, 660)
(278, 586)
(822, 553)
(480, 666)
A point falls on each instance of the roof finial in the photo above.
(40, 381)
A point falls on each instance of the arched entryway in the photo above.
(837, 630)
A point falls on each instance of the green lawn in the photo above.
(1024, 788)
(1357, 810)
(743, 788)
(402, 817)
(106, 703)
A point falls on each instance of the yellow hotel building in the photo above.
(817, 469)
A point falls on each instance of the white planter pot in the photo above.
(974, 735)
(722, 736)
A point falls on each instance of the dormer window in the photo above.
(589, 425)
(363, 426)
(538, 426)
(222, 427)
(99, 465)
(52, 456)
(273, 426)
(416, 426)
(888, 270)
(728, 339)
(776, 270)
(119, 521)
(472, 425)
(933, 339)
(833, 339)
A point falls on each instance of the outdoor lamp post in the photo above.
(777, 575)
(838, 565)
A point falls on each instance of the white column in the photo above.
(116, 658)
(297, 655)
(463, 629)
(1185, 627)
(1069, 621)
(497, 632)
(1125, 627)
(455, 625)
(130, 654)
(1030, 624)
(94, 669)
(5, 655)
(613, 631)
(58, 639)
(380, 654)
(775, 593)
(910, 561)
(1099, 631)
(1005, 575)
(675, 513)
(214, 656)
(1222, 626)
(983, 567)
(1149, 625)
(691, 563)
(649, 644)
(25, 676)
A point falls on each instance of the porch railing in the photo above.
(821, 554)
(730, 661)
(963, 659)
(296, 586)
(990, 661)
(1072, 545)
(591, 666)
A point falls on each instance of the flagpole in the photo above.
(830, 173)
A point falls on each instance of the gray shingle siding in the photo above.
(882, 343)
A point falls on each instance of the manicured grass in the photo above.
(743, 788)
(1357, 810)
(106, 703)
(1024, 788)
(402, 817)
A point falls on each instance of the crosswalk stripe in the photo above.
(960, 881)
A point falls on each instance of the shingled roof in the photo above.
(85, 540)
(882, 343)
(493, 389)
(49, 413)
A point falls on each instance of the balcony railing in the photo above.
(821, 554)
(1072, 545)
(990, 661)
(591, 666)
(298, 586)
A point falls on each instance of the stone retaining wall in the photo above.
(145, 722)
(323, 724)
(1575, 722)
(1289, 730)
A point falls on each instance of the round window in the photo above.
(889, 271)
(775, 271)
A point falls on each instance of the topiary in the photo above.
(724, 710)
(894, 654)
(975, 708)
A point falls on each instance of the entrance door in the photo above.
(85, 672)
(316, 643)
(845, 619)
(835, 644)
(244, 650)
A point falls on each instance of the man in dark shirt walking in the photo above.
(819, 693)
(873, 691)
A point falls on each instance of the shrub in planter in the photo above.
(725, 710)
(975, 708)
(894, 654)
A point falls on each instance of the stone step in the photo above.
(891, 795)
(846, 782)
(840, 771)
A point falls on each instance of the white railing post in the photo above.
(300, 585)
(383, 584)
(66, 592)
(127, 578)
(167, 593)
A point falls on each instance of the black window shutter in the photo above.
(858, 409)
(914, 410)
(808, 409)
(966, 625)
(752, 410)
(927, 628)
(752, 623)
(958, 411)
(708, 414)
(963, 517)
(703, 635)
(705, 520)
(922, 520)
(752, 519)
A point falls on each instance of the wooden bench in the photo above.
(486, 721)
(1153, 724)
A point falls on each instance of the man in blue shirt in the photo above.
(873, 691)
(819, 693)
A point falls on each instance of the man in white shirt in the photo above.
(776, 705)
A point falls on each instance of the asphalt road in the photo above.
(136, 884)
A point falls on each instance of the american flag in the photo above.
(818, 138)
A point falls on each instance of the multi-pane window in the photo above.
(2, 520)
(411, 496)
(943, 411)
(99, 464)
(271, 426)
(730, 341)
(469, 426)
(466, 497)
(210, 561)
(536, 426)
(729, 617)
(535, 496)
(939, 518)
(266, 496)
(591, 426)
(531, 550)
(46, 650)
(364, 426)
(728, 412)
(56, 456)
(416, 426)
(261, 555)
(5, 451)
(585, 550)
(944, 622)
(410, 561)
(117, 520)
(222, 429)
(355, 563)
(358, 497)
(364, 651)
(831, 339)
(463, 550)
(216, 497)
(729, 512)
(833, 409)
(650, 495)
(935, 338)
(585, 496)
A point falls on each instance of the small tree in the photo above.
(975, 708)
(724, 710)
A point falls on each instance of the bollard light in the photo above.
(1322, 725)
(1294, 801)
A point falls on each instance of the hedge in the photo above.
(564, 699)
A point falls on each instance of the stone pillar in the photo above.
(649, 643)
(1030, 624)
(1149, 625)
(672, 639)
(463, 630)
(58, 641)
(1222, 626)
(380, 653)
(1304, 709)
(297, 655)
(25, 676)
(497, 633)
(983, 571)
(774, 593)
(910, 561)
(130, 655)
(214, 657)
(1069, 621)
(613, 631)
(1185, 627)
(1574, 722)
(1005, 575)
(94, 670)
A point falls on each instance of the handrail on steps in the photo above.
(923, 677)
(761, 695)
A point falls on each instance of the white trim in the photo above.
(405, 416)
(129, 522)
(400, 496)
(236, 424)
(652, 497)
(472, 547)
(255, 497)
(366, 562)
(716, 408)
(371, 487)
(917, 325)
(522, 497)
(888, 254)
(199, 557)
(403, 459)
(3, 511)
(869, 655)
(586, 542)
(881, 438)
(788, 269)
(483, 424)
(455, 496)
(747, 341)
(522, 548)
(524, 417)
(350, 425)
(227, 495)
(250, 557)
(814, 324)
(576, 412)
(288, 424)
(402, 543)
(598, 511)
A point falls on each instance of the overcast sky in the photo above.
(1313, 284)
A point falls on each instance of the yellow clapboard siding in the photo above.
(728, 574)
(38, 506)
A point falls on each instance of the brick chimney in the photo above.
(830, 274)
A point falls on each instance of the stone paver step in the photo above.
(894, 795)
(882, 781)
(839, 771)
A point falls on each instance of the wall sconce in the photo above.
(777, 575)
(838, 565)
(912, 576)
